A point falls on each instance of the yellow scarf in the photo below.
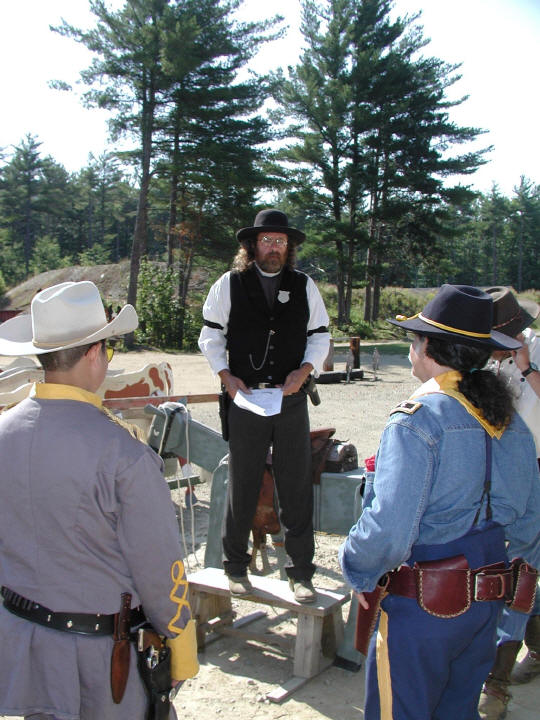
(54, 391)
(447, 383)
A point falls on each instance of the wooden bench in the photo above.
(319, 629)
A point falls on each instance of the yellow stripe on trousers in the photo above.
(383, 669)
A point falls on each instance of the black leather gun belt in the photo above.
(81, 623)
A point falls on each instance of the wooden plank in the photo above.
(268, 591)
(134, 402)
(284, 691)
(307, 652)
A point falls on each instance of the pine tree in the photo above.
(373, 138)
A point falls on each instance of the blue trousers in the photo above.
(421, 667)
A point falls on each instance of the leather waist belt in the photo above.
(446, 588)
(81, 623)
(262, 386)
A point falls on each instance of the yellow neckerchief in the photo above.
(447, 383)
(55, 391)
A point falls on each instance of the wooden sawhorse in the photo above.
(319, 629)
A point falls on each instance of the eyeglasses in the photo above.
(280, 242)
(108, 349)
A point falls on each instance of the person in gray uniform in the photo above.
(265, 326)
(90, 557)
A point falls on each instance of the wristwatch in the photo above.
(532, 368)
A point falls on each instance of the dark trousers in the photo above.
(250, 437)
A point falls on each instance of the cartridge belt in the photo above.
(81, 623)
(446, 588)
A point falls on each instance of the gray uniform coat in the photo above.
(85, 515)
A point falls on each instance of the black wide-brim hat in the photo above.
(271, 221)
(510, 315)
(459, 314)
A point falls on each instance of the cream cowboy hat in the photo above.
(63, 316)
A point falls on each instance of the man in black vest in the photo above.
(265, 325)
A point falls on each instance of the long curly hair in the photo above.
(245, 257)
(485, 390)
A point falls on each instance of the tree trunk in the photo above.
(495, 271)
(520, 254)
(141, 222)
(173, 197)
(376, 297)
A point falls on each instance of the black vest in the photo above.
(265, 344)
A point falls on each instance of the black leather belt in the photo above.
(81, 623)
(262, 386)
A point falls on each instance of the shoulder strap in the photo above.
(487, 482)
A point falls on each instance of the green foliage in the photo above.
(11, 258)
(47, 255)
(96, 255)
(396, 301)
(2, 284)
(160, 313)
(393, 301)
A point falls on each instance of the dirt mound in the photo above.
(112, 281)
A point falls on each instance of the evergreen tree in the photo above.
(20, 197)
(145, 55)
(373, 139)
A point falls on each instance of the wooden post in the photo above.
(354, 345)
(329, 362)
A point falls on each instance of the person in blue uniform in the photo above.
(265, 325)
(456, 488)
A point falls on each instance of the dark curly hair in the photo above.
(245, 256)
(485, 390)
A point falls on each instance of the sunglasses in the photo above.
(110, 352)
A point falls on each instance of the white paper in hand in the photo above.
(264, 402)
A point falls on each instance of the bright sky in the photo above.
(498, 42)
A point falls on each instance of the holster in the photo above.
(525, 577)
(154, 663)
(224, 404)
(310, 388)
(367, 619)
(121, 649)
